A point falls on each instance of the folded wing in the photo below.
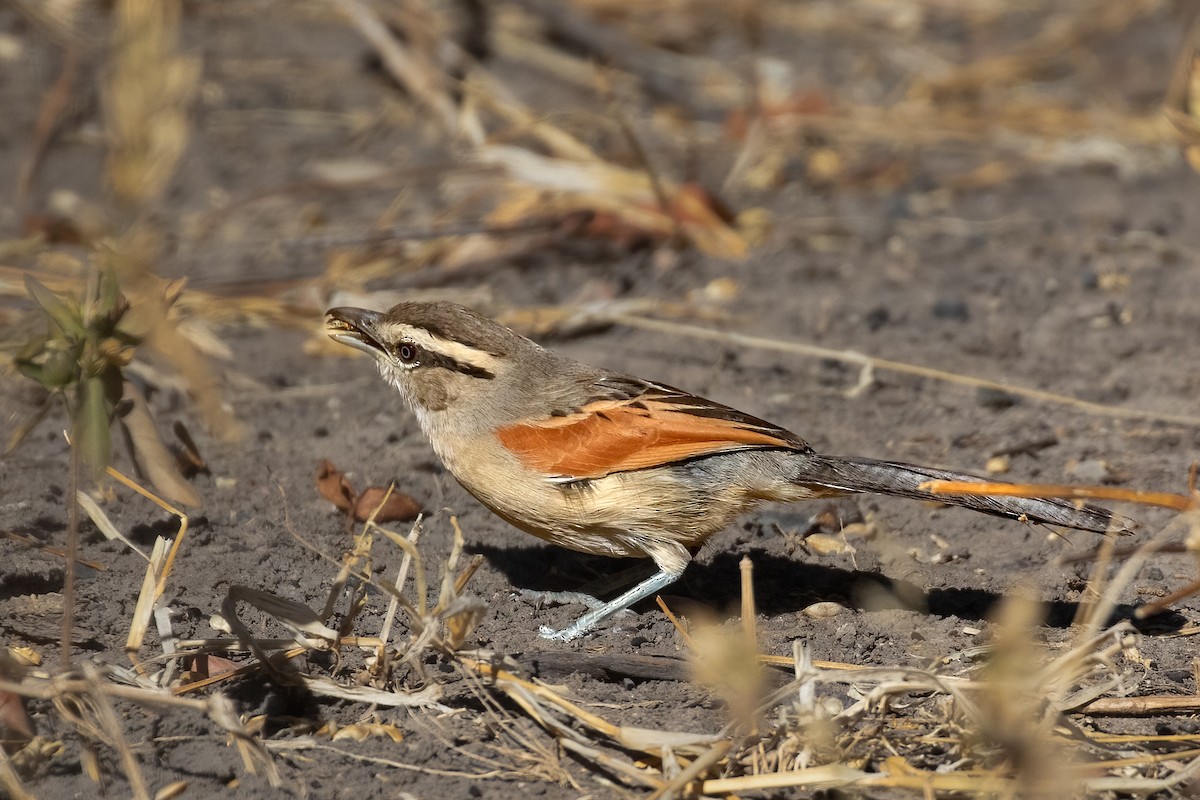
(655, 427)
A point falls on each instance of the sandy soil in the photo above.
(1078, 280)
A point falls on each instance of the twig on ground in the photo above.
(111, 725)
(420, 77)
(1141, 706)
(159, 569)
(29, 541)
(11, 781)
(887, 365)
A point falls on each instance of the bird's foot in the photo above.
(565, 635)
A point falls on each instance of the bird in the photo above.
(611, 464)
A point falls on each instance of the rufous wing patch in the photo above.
(608, 437)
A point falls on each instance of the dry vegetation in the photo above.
(1010, 718)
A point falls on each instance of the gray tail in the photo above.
(853, 474)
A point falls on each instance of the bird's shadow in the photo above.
(782, 585)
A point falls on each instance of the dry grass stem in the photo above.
(692, 772)
(1141, 706)
(149, 90)
(749, 610)
(115, 737)
(680, 628)
(887, 365)
(82, 697)
(293, 745)
(104, 524)
(545, 706)
(413, 69)
(50, 549)
(10, 780)
(389, 617)
(158, 570)
(1163, 603)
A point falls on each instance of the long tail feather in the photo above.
(854, 474)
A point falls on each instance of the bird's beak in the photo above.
(355, 327)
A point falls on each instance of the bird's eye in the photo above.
(407, 353)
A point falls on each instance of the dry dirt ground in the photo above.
(1072, 273)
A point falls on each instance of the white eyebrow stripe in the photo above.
(463, 353)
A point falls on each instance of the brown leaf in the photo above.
(398, 507)
(54, 228)
(362, 731)
(156, 461)
(16, 729)
(206, 665)
(333, 486)
(187, 455)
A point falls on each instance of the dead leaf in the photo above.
(53, 228)
(187, 455)
(16, 729)
(206, 665)
(462, 618)
(397, 507)
(361, 731)
(660, 210)
(156, 461)
(333, 486)
(387, 505)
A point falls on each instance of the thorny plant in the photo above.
(79, 357)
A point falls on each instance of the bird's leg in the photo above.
(591, 619)
(588, 594)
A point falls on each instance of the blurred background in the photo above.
(802, 168)
(284, 150)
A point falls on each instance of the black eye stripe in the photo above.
(453, 364)
(413, 355)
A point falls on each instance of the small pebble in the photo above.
(951, 309)
(824, 544)
(998, 465)
(824, 610)
(877, 317)
(1091, 471)
(721, 290)
(859, 530)
(10, 48)
(950, 556)
(1179, 675)
(830, 706)
(995, 399)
